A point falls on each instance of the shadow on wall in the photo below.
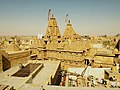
(6, 64)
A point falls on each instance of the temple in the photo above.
(69, 33)
(52, 32)
(65, 62)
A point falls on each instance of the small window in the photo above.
(76, 63)
(45, 42)
(48, 36)
(59, 36)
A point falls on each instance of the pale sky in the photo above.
(88, 17)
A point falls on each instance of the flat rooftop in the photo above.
(96, 72)
(25, 71)
(48, 71)
(39, 76)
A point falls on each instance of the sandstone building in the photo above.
(67, 60)
(12, 56)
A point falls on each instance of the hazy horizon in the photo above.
(88, 17)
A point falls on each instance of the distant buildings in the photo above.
(59, 53)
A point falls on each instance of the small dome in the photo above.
(12, 47)
(115, 50)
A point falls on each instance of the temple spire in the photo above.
(69, 32)
(53, 32)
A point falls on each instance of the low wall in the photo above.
(18, 57)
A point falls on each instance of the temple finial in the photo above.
(52, 15)
(69, 21)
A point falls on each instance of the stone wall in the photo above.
(110, 73)
(56, 78)
(8, 60)
(65, 55)
(41, 55)
(68, 58)
(18, 57)
(104, 61)
(4, 62)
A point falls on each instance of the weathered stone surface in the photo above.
(52, 32)
(69, 33)
(12, 47)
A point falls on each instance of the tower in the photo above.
(69, 33)
(53, 32)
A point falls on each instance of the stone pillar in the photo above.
(92, 63)
(67, 80)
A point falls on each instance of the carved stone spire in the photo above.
(53, 32)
